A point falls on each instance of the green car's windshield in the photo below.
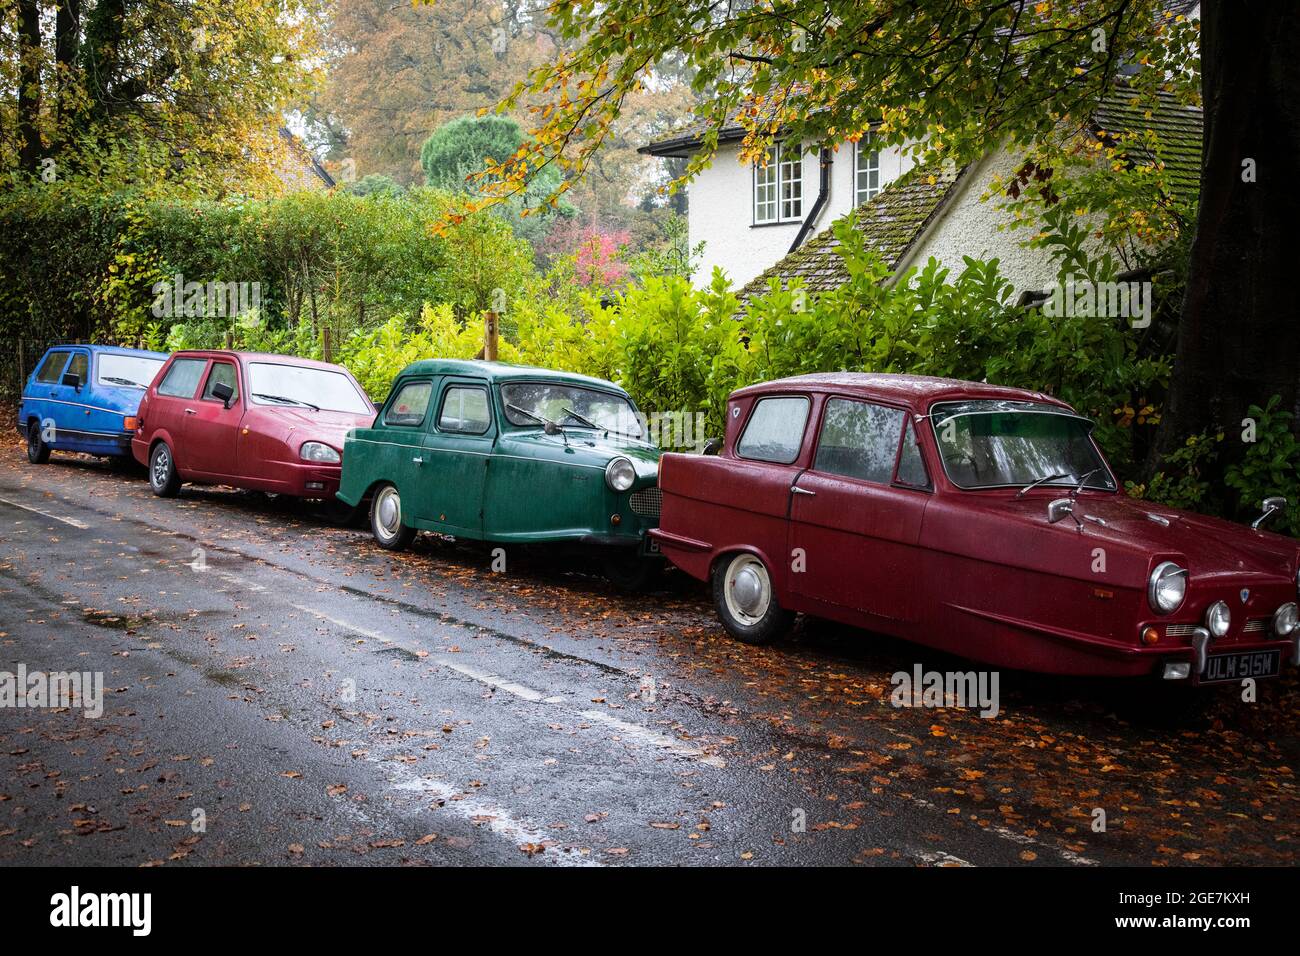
(1001, 444)
(569, 406)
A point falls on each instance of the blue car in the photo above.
(84, 398)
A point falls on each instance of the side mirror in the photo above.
(72, 380)
(712, 446)
(1269, 505)
(223, 393)
(1059, 509)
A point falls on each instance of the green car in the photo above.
(510, 455)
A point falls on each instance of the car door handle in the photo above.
(802, 491)
(190, 411)
(418, 461)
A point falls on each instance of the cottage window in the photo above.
(778, 186)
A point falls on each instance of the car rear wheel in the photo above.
(386, 520)
(745, 601)
(38, 453)
(632, 573)
(163, 479)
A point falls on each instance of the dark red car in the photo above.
(271, 423)
(976, 519)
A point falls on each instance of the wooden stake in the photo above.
(490, 336)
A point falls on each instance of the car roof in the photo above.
(504, 372)
(108, 350)
(258, 357)
(916, 391)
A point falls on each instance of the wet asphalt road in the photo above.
(312, 699)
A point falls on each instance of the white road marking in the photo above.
(499, 821)
(939, 858)
(494, 680)
(364, 632)
(654, 738)
(1066, 854)
(236, 580)
(630, 731)
(45, 514)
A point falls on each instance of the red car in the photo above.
(266, 422)
(976, 519)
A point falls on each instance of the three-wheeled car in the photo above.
(513, 455)
(976, 519)
(84, 398)
(270, 423)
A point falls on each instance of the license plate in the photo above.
(650, 545)
(1240, 665)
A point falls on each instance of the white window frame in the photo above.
(865, 161)
(778, 187)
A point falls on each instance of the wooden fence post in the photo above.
(490, 336)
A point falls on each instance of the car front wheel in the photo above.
(163, 479)
(745, 601)
(38, 453)
(386, 520)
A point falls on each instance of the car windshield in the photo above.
(570, 406)
(999, 444)
(304, 387)
(130, 371)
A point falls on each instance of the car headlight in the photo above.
(1218, 618)
(316, 451)
(1285, 620)
(620, 474)
(1167, 587)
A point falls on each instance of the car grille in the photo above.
(647, 502)
(1253, 626)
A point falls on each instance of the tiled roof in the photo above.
(1178, 127)
(891, 221)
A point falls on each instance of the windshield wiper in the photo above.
(570, 413)
(1039, 481)
(535, 417)
(590, 424)
(121, 381)
(287, 401)
(1079, 487)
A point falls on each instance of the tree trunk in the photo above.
(67, 41)
(29, 85)
(1239, 332)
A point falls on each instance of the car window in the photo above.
(775, 430)
(465, 410)
(859, 440)
(127, 370)
(223, 373)
(911, 467)
(409, 405)
(52, 368)
(182, 379)
(80, 367)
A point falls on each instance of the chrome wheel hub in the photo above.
(748, 590)
(389, 511)
(161, 464)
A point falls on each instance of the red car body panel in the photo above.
(978, 573)
(249, 445)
